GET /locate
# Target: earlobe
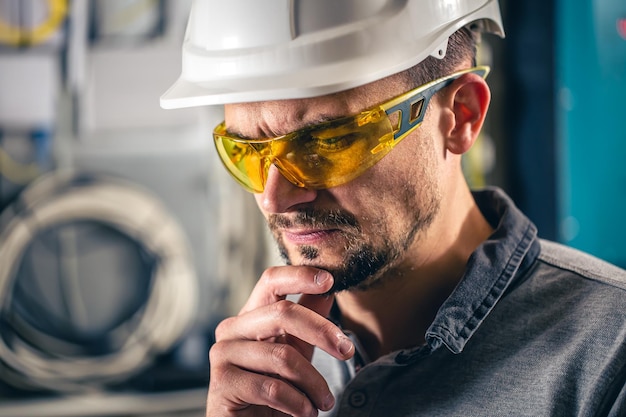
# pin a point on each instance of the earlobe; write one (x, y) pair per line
(468, 98)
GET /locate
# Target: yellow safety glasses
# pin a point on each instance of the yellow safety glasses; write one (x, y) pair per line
(330, 153)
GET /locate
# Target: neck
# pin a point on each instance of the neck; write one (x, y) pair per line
(396, 314)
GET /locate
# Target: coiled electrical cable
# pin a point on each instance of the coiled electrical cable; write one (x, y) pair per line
(168, 312)
(16, 35)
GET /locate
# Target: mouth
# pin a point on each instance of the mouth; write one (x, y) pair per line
(309, 236)
(314, 229)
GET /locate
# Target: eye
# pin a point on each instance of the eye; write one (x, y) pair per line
(334, 143)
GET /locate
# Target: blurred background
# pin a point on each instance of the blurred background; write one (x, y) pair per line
(123, 242)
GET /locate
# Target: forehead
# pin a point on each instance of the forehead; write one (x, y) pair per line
(275, 118)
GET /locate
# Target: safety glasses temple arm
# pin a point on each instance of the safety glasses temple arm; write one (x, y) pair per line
(408, 118)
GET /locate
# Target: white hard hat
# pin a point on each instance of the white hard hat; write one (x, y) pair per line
(256, 50)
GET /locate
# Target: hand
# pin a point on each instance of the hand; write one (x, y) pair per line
(261, 361)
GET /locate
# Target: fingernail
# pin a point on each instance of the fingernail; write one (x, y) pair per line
(321, 277)
(345, 345)
(329, 402)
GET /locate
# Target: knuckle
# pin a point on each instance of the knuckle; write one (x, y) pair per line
(304, 406)
(282, 355)
(220, 371)
(222, 327)
(283, 308)
(271, 389)
(270, 270)
(216, 352)
(279, 394)
(266, 276)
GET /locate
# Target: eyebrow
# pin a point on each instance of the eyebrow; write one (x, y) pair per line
(322, 118)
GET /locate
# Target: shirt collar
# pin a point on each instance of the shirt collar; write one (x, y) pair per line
(505, 255)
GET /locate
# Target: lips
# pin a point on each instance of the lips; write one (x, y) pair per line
(309, 236)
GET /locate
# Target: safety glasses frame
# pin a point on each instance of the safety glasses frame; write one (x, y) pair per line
(408, 111)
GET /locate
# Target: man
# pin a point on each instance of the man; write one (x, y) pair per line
(418, 296)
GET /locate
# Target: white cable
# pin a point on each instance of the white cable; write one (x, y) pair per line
(167, 314)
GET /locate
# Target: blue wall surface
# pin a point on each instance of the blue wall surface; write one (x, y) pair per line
(591, 126)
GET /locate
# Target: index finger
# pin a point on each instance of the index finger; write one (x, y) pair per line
(277, 282)
(302, 328)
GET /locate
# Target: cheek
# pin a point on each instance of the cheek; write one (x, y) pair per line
(378, 197)
(258, 199)
(412, 165)
(405, 180)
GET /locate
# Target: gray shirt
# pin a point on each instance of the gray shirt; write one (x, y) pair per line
(533, 329)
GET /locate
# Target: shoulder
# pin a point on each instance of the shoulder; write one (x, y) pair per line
(573, 261)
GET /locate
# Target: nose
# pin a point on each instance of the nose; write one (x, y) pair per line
(280, 195)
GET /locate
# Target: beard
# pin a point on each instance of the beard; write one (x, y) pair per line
(364, 262)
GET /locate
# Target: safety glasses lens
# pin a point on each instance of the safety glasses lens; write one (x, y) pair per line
(242, 162)
(324, 156)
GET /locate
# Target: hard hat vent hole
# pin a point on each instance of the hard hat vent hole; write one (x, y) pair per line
(440, 51)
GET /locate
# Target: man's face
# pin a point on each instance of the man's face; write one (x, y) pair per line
(362, 229)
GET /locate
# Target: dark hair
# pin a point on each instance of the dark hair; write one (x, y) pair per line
(461, 48)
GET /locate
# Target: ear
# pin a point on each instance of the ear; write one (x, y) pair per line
(468, 98)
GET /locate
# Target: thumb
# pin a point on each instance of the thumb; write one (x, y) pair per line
(321, 304)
